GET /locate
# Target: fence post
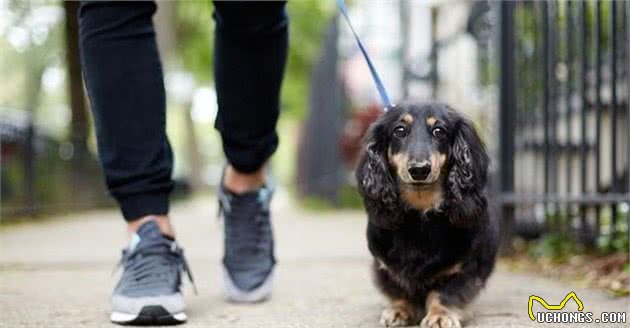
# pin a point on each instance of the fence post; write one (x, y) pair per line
(433, 56)
(507, 108)
(29, 168)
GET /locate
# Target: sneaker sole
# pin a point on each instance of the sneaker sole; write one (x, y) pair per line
(150, 315)
(234, 294)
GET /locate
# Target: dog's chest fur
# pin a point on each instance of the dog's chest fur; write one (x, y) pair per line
(419, 249)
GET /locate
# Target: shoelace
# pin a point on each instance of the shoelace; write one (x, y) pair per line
(155, 263)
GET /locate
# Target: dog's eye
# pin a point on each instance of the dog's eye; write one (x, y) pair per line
(439, 133)
(400, 132)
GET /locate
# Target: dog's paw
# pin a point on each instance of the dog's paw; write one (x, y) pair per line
(395, 317)
(441, 320)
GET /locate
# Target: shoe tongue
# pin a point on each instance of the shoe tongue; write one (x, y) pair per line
(148, 230)
(260, 195)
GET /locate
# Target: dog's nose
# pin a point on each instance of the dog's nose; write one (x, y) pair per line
(420, 172)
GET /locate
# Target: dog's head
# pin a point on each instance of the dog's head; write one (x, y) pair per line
(425, 156)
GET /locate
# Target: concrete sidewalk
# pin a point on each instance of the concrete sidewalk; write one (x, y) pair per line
(58, 274)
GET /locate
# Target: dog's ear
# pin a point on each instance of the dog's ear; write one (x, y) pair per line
(373, 176)
(468, 161)
(376, 184)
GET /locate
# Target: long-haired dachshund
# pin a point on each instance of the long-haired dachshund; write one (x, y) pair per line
(422, 179)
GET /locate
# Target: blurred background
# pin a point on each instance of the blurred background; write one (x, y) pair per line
(546, 83)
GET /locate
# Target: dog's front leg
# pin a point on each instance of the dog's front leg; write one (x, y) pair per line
(399, 313)
(439, 314)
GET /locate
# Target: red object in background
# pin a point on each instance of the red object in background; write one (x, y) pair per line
(7, 150)
(354, 132)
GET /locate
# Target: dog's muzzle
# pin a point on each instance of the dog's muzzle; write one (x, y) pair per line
(419, 172)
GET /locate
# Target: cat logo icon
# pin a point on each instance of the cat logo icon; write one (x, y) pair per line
(547, 306)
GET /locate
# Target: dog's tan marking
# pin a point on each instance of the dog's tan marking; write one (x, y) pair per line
(423, 200)
(440, 315)
(407, 118)
(453, 269)
(399, 313)
(381, 264)
(438, 161)
(399, 162)
(431, 121)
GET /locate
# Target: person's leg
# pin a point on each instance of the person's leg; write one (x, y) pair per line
(251, 42)
(123, 75)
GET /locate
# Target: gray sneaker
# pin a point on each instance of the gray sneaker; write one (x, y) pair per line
(248, 261)
(149, 291)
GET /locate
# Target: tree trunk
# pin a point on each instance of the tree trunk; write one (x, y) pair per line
(194, 156)
(165, 22)
(79, 128)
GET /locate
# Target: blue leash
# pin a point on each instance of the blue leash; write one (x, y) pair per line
(377, 79)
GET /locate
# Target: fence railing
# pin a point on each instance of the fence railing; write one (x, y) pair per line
(37, 174)
(564, 119)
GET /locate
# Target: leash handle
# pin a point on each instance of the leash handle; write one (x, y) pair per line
(375, 76)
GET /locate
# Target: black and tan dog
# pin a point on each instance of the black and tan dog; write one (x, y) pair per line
(422, 180)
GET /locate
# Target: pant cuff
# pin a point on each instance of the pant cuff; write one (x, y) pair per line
(137, 206)
(250, 157)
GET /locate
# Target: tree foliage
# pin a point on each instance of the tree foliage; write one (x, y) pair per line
(308, 23)
(308, 19)
(28, 40)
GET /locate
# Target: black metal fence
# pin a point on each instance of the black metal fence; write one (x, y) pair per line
(38, 174)
(17, 139)
(564, 118)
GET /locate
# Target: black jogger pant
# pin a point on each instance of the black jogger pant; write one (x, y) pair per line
(124, 79)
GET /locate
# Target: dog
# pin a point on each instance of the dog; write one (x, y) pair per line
(422, 176)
